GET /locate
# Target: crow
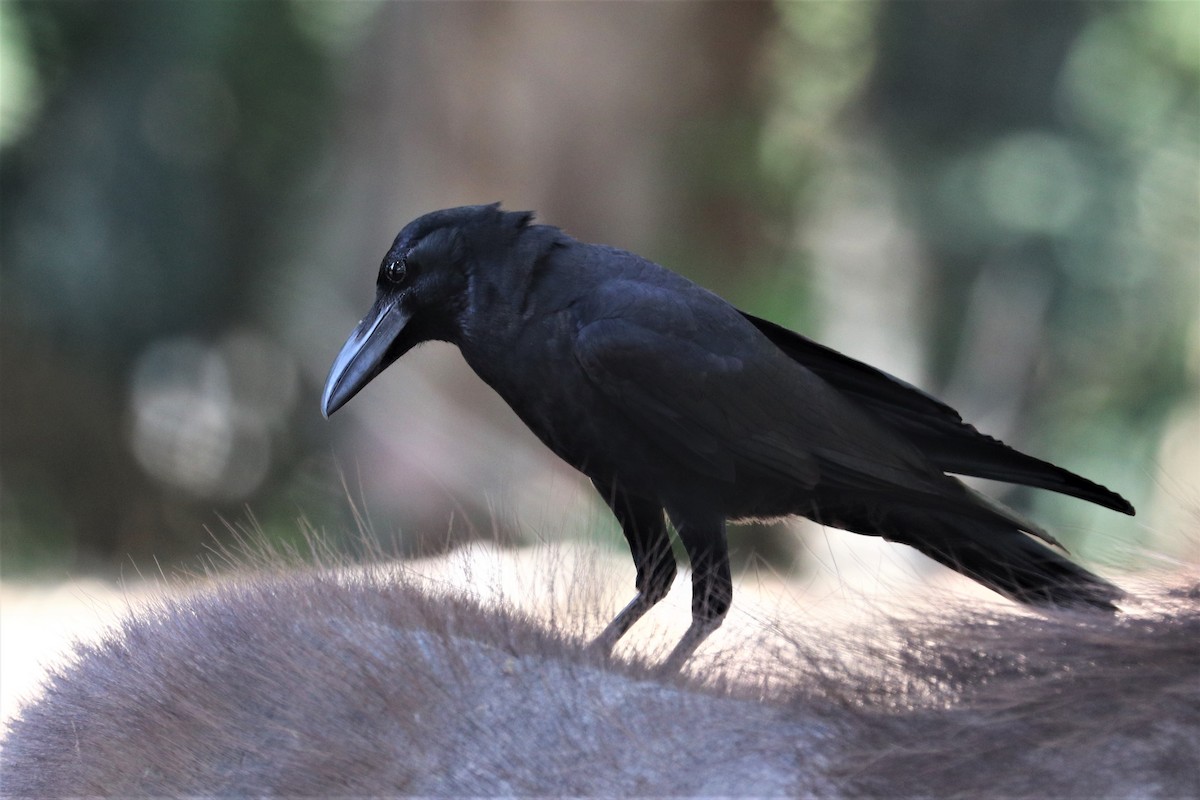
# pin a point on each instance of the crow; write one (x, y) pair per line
(678, 405)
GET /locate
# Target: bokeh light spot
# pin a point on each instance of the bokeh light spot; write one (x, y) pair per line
(1035, 182)
(182, 414)
(203, 415)
(1112, 87)
(19, 90)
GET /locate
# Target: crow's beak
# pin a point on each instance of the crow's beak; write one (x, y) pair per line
(364, 355)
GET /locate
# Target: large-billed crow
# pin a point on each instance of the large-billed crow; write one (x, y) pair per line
(670, 399)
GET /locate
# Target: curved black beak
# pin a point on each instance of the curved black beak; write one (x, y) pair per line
(365, 354)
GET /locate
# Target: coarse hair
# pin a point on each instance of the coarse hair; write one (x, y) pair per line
(366, 678)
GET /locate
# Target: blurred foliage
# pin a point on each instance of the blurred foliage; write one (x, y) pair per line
(995, 200)
(136, 210)
(1037, 179)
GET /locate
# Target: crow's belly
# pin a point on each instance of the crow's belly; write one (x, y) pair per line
(616, 455)
(760, 499)
(753, 498)
(682, 490)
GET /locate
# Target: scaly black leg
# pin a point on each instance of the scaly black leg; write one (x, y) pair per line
(712, 584)
(645, 528)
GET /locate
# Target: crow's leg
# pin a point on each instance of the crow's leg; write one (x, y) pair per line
(712, 585)
(645, 528)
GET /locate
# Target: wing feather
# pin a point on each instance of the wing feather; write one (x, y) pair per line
(702, 383)
(690, 403)
(934, 427)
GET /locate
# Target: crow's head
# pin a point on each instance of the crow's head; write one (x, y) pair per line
(420, 292)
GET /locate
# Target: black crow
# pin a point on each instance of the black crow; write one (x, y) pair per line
(671, 400)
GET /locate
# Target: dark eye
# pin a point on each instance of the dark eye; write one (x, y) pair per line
(395, 271)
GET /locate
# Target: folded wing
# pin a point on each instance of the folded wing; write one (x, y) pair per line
(934, 427)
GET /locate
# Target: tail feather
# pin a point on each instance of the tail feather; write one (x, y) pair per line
(935, 428)
(1010, 562)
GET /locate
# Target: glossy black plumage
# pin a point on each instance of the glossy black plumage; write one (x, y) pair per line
(670, 399)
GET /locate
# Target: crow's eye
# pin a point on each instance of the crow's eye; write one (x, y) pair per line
(395, 271)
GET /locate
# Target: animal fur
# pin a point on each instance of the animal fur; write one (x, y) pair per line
(335, 681)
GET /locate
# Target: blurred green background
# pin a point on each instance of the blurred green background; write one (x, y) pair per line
(997, 201)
